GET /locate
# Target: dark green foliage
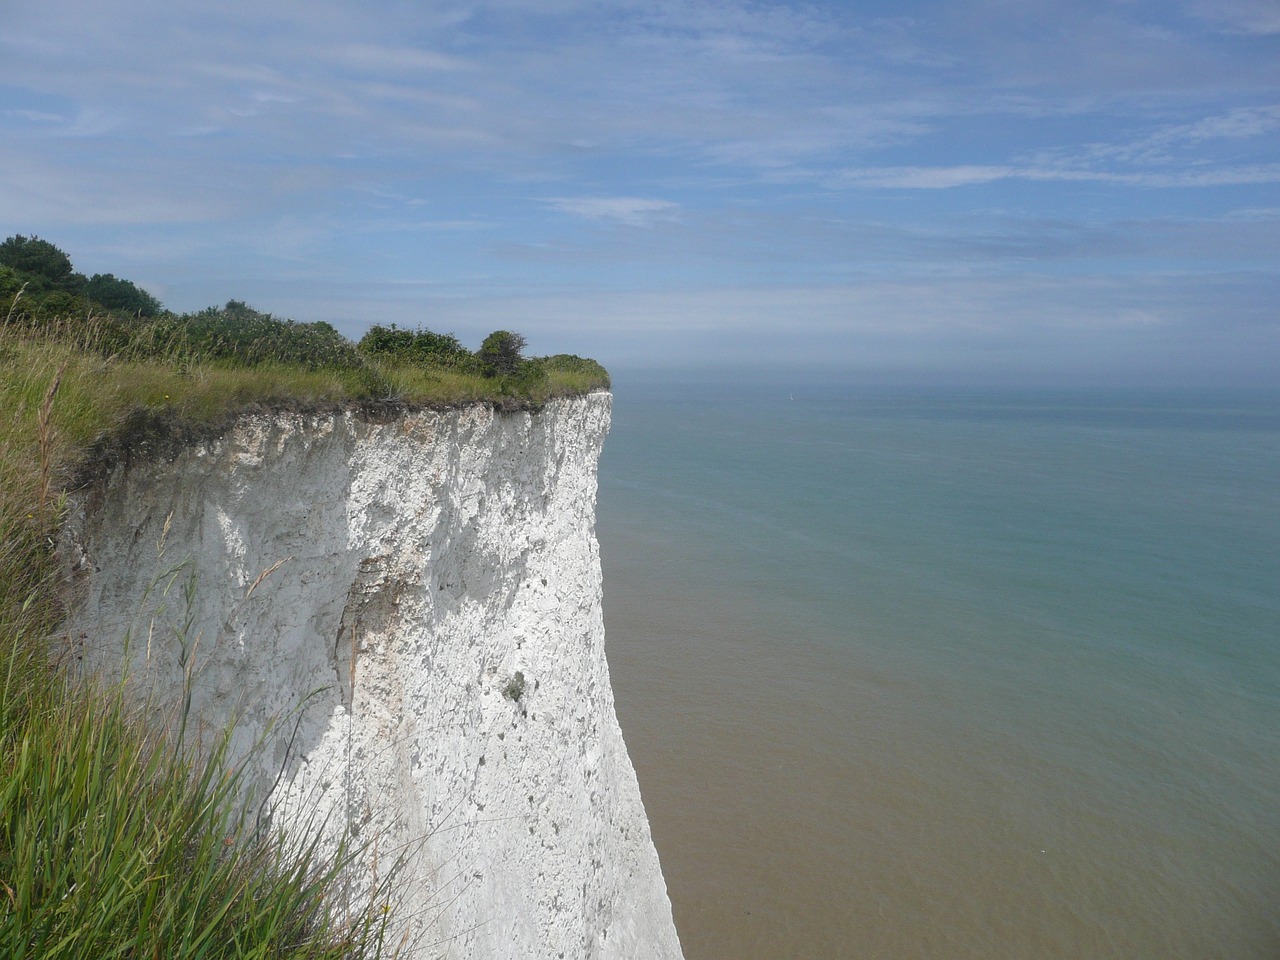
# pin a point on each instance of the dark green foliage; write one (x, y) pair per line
(415, 346)
(38, 285)
(121, 295)
(581, 367)
(10, 283)
(47, 266)
(239, 334)
(61, 303)
(500, 354)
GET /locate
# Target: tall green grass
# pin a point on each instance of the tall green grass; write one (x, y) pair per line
(115, 843)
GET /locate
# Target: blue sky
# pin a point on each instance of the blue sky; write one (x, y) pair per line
(1033, 190)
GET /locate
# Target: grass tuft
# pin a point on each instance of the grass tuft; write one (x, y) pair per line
(115, 844)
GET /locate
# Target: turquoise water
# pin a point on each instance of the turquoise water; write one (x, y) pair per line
(952, 673)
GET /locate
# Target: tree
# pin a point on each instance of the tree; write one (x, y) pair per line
(41, 260)
(499, 355)
(123, 295)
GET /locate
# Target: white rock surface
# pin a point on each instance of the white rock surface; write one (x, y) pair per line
(366, 597)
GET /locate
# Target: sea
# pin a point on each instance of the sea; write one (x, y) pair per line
(950, 673)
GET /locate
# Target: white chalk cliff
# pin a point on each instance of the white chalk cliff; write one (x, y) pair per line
(406, 611)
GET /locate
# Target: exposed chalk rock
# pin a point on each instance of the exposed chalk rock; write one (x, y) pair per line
(406, 613)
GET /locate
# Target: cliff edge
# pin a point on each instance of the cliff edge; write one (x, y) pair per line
(403, 617)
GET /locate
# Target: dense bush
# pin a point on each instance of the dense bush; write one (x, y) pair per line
(46, 267)
(500, 354)
(11, 282)
(414, 346)
(121, 295)
(240, 334)
(588, 370)
(38, 286)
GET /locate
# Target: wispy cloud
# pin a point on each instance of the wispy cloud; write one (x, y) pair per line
(381, 59)
(34, 116)
(1172, 143)
(632, 211)
(921, 178)
(940, 178)
(1259, 18)
(1172, 155)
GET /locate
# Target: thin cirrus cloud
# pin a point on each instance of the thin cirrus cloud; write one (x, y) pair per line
(885, 180)
(1159, 159)
(942, 178)
(632, 211)
(1247, 17)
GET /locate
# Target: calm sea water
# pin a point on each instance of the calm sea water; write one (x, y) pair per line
(951, 674)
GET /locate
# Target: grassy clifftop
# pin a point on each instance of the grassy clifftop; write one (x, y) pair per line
(43, 299)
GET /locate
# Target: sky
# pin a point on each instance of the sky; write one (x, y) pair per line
(1036, 191)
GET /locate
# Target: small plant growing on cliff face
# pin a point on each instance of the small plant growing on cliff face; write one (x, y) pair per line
(514, 690)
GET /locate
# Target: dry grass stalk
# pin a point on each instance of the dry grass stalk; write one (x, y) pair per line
(44, 431)
(13, 304)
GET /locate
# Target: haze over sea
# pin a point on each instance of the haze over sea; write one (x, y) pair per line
(951, 673)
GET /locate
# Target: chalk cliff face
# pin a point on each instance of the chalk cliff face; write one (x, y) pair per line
(406, 612)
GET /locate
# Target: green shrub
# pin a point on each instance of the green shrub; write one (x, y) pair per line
(11, 284)
(239, 334)
(414, 346)
(121, 295)
(571, 368)
(47, 267)
(500, 354)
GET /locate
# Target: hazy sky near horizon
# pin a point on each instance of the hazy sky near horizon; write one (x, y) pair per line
(983, 189)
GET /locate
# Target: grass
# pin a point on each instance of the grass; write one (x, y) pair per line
(114, 842)
(544, 379)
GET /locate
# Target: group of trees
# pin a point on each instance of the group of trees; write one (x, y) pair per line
(38, 286)
(37, 281)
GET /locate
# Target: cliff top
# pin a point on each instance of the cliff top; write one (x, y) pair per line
(281, 360)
